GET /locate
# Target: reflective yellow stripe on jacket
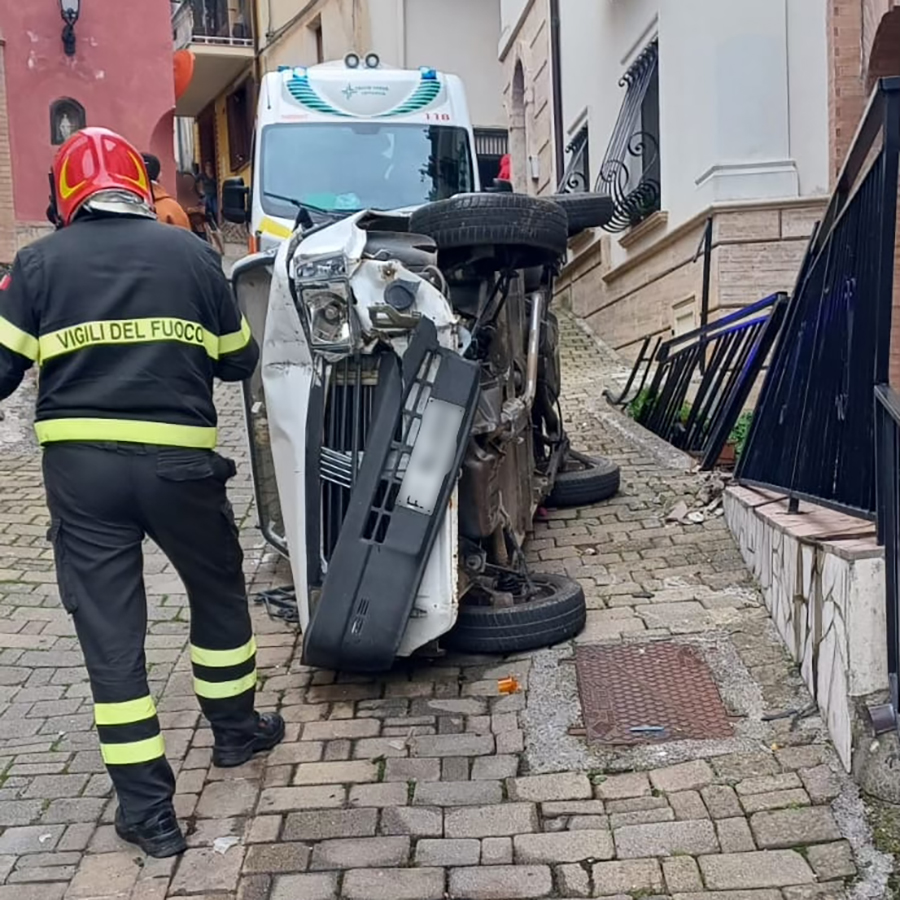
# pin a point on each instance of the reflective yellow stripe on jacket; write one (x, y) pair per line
(108, 332)
(126, 430)
(13, 338)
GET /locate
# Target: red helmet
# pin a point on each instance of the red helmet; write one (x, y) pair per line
(96, 160)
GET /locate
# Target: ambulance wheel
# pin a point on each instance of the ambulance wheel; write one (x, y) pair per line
(585, 210)
(553, 612)
(583, 480)
(523, 231)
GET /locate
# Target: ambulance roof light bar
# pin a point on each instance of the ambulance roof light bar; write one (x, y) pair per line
(353, 61)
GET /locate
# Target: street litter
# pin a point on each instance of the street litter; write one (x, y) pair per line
(223, 844)
(508, 685)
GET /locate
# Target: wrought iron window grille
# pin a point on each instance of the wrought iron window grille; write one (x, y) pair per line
(630, 171)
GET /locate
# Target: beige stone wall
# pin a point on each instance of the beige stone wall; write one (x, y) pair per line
(757, 250)
(531, 114)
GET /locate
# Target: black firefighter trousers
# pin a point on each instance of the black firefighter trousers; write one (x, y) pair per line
(104, 499)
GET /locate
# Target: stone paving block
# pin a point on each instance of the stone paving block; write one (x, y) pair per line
(681, 875)
(732, 895)
(541, 788)
(456, 768)
(458, 793)
(572, 808)
(298, 752)
(412, 770)
(285, 799)
(28, 839)
(490, 821)
(721, 801)
(415, 821)
(768, 784)
(831, 860)
(821, 784)
(221, 799)
(285, 856)
(33, 891)
(41, 874)
(761, 869)
(497, 851)
(620, 787)
(634, 877)
(573, 881)
(501, 882)
(19, 812)
(356, 772)
(636, 804)
(778, 800)
(320, 825)
(449, 852)
(688, 805)
(334, 729)
(75, 837)
(666, 839)
(832, 890)
(792, 827)
(642, 817)
(394, 884)
(322, 886)
(70, 811)
(451, 745)
(803, 757)
(395, 793)
(8, 862)
(104, 875)
(589, 823)
(563, 847)
(360, 853)
(734, 835)
(744, 765)
(262, 830)
(489, 768)
(687, 776)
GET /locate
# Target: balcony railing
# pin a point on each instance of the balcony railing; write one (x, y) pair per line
(216, 22)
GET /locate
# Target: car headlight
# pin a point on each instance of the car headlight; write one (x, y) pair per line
(322, 268)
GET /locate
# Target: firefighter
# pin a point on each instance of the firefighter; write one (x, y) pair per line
(129, 321)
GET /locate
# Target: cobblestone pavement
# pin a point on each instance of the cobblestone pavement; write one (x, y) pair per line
(428, 783)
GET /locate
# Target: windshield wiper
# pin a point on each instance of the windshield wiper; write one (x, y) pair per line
(300, 204)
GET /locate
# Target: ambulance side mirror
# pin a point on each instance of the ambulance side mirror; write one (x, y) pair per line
(234, 201)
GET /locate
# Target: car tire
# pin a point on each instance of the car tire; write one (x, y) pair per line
(585, 210)
(556, 616)
(593, 480)
(531, 231)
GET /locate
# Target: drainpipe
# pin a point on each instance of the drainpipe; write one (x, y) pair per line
(556, 62)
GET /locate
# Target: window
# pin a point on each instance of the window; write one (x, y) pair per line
(316, 29)
(66, 117)
(239, 112)
(577, 177)
(491, 145)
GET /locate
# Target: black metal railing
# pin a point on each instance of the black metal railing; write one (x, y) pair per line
(699, 415)
(887, 452)
(813, 432)
(630, 171)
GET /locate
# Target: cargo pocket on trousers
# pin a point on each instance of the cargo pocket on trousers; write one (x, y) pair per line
(64, 578)
(184, 465)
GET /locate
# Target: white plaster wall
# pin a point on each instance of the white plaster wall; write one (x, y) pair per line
(829, 611)
(511, 13)
(743, 93)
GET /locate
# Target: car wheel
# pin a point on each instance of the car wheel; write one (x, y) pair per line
(554, 613)
(525, 231)
(583, 480)
(585, 210)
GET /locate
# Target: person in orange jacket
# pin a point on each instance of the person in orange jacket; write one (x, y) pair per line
(168, 210)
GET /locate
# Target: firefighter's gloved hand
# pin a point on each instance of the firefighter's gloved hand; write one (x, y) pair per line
(224, 468)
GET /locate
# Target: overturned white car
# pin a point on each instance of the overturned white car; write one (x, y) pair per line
(405, 427)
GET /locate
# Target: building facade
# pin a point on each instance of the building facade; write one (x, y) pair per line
(236, 42)
(120, 76)
(720, 129)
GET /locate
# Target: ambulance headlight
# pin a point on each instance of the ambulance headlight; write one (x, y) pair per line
(328, 317)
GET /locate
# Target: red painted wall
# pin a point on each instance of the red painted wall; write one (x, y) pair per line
(121, 73)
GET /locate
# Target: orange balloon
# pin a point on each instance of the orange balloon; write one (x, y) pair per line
(184, 71)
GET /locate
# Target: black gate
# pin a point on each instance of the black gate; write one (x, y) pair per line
(813, 432)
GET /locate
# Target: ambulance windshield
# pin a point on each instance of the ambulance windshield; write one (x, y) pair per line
(348, 166)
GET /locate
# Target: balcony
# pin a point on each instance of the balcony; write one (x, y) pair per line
(220, 35)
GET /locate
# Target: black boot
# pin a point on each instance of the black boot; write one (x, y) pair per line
(229, 751)
(158, 836)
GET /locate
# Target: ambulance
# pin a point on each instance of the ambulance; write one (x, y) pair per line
(340, 137)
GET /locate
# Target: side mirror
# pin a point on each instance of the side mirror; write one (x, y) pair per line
(234, 201)
(500, 187)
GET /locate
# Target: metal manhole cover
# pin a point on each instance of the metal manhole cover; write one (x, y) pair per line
(639, 693)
